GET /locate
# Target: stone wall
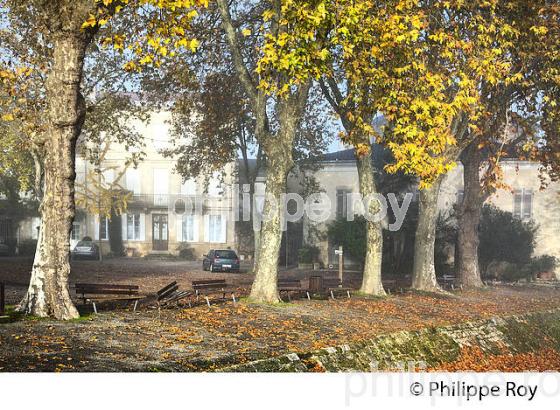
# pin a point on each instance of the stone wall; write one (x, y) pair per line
(430, 346)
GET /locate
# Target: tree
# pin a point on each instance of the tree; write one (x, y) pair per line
(425, 60)
(371, 282)
(213, 122)
(65, 29)
(60, 22)
(276, 142)
(514, 111)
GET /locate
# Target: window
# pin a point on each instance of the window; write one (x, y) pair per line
(133, 180)
(342, 202)
(226, 254)
(103, 228)
(161, 136)
(523, 203)
(460, 196)
(35, 226)
(161, 187)
(75, 235)
(108, 176)
(188, 228)
(188, 187)
(133, 227)
(216, 230)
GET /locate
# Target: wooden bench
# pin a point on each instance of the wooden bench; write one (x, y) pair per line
(333, 286)
(289, 286)
(389, 285)
(171, 293)
(208, 287)
(448, 281)
(99, 292)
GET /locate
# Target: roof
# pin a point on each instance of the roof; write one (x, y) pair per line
(344, 155)
(379, 155)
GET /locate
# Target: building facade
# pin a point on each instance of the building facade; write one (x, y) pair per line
(164, 213)
(338, 177)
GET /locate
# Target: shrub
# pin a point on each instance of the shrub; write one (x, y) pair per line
(186, 252)
(541, 264)
(87, 239)
(351, 235)
(308, 254)
(504, 238)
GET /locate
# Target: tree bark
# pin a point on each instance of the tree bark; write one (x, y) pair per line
(277, 147)
(48, 293)
(371, 281)
(423, 272)
(264, 287)
(470, 211)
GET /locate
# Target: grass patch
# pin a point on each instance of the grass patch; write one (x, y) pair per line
(88, 317)
(367, 296)
(250, 301)
(15, 316)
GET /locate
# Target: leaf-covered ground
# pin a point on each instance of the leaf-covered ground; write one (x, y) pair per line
(203, 338)
(473, 359)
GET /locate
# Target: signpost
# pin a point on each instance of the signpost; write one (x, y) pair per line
(340, 253)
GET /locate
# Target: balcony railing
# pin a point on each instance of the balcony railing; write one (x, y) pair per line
(164, 201)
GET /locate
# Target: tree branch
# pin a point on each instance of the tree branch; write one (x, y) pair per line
(240, 67)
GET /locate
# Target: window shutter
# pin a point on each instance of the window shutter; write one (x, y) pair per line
(142, 227)
(206, 228)
(528, 204)
(179, 228)
(195, 228)
(223, 231)
(133, 180)
(517, 199)
(97, 228)
(124, 230)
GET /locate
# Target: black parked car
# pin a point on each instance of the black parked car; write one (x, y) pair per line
(219, 260)
(86, 248)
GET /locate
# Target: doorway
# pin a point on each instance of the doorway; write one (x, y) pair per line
(160, 233)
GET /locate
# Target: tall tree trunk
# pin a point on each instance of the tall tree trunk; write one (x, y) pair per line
(423, 272)
(277, 147)
(470, 210)
(48, 292)
(264, 287)
(371, 282)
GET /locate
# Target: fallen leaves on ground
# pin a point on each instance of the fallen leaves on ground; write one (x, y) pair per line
(473, 359)
(207, 338)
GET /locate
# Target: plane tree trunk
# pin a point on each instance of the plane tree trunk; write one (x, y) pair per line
(277, 146)
(48, 292)
(470, 211)
(371, 281)
(264, 287)
(423, 272)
